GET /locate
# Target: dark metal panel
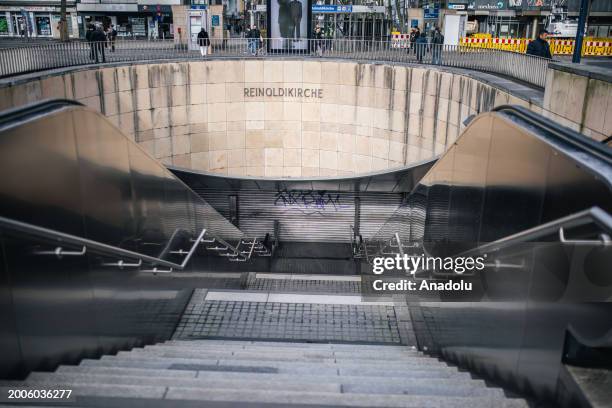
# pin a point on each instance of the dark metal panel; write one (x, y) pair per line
(11, 359)
(40, 183)
(52, 299)
(565, 175)
(148, 199)
(516, 180)
(104, 175)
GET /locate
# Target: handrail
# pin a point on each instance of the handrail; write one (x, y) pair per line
(95, 245)
(585, 217)
(570, 136)
(8, 117)
(526, 68)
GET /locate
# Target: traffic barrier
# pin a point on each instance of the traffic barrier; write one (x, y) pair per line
(400, 40)
(590, 47)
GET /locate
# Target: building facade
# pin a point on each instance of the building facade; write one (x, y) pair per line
(30, 19)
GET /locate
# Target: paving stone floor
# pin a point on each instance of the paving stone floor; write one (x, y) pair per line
(305, 285)
(287, 321)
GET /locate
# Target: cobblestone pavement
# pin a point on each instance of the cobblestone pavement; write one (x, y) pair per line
(287, 321)
(305, 285)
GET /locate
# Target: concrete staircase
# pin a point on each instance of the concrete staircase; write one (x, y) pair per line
(226, 373)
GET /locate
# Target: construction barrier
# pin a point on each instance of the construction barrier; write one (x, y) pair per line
(400, 40)
(590, 47)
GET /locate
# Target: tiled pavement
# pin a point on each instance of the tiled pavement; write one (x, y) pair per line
(304, 285)
(317, 322)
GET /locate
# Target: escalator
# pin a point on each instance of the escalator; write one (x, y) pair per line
(88, 223)
(534, 199)
(136, 285)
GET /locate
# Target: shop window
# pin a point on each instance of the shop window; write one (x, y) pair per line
(4, 27)
(43, 25)
(138, 26)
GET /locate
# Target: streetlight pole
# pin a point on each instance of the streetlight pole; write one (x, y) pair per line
(584, 13)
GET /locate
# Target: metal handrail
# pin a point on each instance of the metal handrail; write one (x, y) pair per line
(526, 68)
(592, 215)
(95, 245)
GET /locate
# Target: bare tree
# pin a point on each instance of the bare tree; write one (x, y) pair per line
(63, 23)
(401, 15)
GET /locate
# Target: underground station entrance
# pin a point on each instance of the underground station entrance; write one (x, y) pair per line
(344, 250)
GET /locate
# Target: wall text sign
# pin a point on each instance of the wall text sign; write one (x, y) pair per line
(315, 93)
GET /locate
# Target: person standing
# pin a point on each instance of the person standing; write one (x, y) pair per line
(203, 42)
(540, 47)
(318, 38)
(414, 35)
(437, 41)
(253, 36)
(89, 38)
(98, 38)
(112, 36)
(421, 46)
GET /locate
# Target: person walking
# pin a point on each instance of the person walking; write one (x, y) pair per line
(318, 40)
(98, 38)
(414, 34)
(437, 41)
(203, 42)
(89, 39)
(421, 47)
(540, 47)
(112, 36)
(253, 36)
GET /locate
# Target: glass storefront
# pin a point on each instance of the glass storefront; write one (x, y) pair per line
(4, 26)
(43, 25)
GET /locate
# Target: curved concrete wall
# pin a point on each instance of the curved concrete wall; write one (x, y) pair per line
(196, 115)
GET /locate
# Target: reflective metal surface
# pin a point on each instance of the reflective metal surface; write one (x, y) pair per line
(68, 169)
(504, 175)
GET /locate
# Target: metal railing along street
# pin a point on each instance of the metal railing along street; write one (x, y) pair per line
(21, 60)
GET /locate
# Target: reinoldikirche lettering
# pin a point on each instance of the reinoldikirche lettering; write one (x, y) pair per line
(315, 93)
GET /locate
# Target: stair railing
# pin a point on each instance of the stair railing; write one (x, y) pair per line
(125, 258)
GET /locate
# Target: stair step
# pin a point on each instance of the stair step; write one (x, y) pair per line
(287, 344)
(209, 383)
(347, 400)
(326, 352)
(304, 356)
(410, 388)
(185, 358)
(204, 395)
(416, 375)
(269, 367)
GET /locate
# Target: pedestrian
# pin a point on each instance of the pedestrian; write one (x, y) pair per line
(414, 34)
(421, 46)
(318, 38)
(540, 47)
(112, 36)
(89, 38)
(203, 42)
(437, 41)
(98, 38)
(253, 39)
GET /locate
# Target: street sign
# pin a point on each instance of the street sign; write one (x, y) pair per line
(325, 8)
(431, 11)
(457, 6)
